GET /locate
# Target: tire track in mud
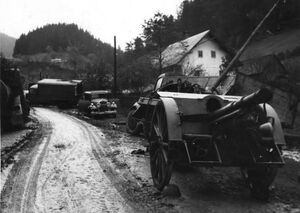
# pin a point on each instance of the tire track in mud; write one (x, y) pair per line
(32, 176)
(53, 173)
(22, 179)
(58, 167)
(113, 188)
(8, 153)
(30, 184)
(100, 152)
(141, 199)
(116, 202)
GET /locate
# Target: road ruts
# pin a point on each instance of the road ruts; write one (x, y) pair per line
(61, 173)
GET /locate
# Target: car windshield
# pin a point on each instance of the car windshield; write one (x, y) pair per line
(93, 95)
(101, 96)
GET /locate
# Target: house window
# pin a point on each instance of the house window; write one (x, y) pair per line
(200, 53)
(213, 54)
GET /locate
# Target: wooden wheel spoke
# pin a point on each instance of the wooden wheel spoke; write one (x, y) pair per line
(158, 119)
(156, 166)
(162, 125)
(164, 156)
(160, 175)
(157, 131)
(162, 167)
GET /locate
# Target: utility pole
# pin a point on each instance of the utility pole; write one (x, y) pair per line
(115, 67)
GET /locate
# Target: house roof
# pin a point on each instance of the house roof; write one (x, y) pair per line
(176, 51)
(276, 44)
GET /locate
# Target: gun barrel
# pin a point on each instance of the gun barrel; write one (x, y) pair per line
(261, 96)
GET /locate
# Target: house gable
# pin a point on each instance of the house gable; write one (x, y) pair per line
(175, 52)
(206, 55)
(194, 54)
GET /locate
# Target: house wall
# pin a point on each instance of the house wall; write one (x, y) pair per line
(209, 64)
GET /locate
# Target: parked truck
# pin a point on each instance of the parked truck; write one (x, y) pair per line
(59, 92)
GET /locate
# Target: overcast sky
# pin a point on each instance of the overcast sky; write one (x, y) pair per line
(102, 18)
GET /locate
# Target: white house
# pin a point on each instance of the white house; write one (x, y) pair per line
(198, 55)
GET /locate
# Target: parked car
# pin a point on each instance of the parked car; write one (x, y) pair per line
(97, 102)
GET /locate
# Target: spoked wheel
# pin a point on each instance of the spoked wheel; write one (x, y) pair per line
(132, 126)
(259, 180)
(161, 166)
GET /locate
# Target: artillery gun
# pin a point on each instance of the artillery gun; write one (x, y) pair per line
(209, 129)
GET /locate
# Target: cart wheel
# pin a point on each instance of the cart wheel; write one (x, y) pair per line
(259, 179)
(161, 166)
(132, 126)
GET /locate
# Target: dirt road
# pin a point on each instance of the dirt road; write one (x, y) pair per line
(63, 173)
(72, 166)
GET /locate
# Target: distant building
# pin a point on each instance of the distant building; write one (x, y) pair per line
(56, 60)
(199, 55)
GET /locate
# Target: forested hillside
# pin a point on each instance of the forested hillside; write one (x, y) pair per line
(67, 48)
(233, 20)
(230, 21)
(58, 37)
